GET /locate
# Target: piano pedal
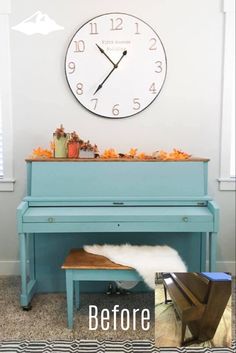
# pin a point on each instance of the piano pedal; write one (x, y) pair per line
(190, 341)
(121, 291)
(110, 289)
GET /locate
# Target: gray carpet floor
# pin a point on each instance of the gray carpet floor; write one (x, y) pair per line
(47, 319)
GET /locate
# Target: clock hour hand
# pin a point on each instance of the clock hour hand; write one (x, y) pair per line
(123, 54)
(115, 67)
(103, 52)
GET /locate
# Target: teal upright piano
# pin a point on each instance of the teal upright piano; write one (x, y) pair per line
(70, 203)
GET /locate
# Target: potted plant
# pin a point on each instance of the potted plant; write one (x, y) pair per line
(60, 139)
(73, 145)
(87, 150)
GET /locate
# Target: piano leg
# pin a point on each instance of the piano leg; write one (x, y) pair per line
(212, 251)
(28, 283)
(31, 239)
(23, 269)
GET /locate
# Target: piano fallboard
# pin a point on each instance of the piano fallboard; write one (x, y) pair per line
(120, 219)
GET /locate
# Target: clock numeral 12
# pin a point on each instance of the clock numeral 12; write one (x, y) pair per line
(79, 46)
(116, 24)
(79, 88)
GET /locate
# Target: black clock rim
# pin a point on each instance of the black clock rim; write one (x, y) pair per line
(105, 116)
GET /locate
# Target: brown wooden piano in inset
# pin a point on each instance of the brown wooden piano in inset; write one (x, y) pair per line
(199, 300)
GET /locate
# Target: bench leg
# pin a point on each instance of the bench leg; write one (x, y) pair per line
(77, 295)
(183, 330)
(70, 298)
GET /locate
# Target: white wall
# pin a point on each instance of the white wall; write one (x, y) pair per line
(186, 115)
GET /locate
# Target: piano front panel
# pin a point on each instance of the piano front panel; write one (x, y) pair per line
(119, 180)
(52, 248)
(219, 294)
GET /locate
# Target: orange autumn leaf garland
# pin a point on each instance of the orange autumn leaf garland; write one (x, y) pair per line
(42, 153)
(110, 153)
(173, 155)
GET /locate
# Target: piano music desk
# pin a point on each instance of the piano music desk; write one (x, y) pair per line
(70, 203)
(82, 266)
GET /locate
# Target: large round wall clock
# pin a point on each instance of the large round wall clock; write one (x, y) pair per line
(115, 65)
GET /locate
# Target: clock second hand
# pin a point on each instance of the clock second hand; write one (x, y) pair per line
(115, 67)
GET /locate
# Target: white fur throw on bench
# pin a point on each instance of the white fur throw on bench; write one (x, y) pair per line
(147, 260)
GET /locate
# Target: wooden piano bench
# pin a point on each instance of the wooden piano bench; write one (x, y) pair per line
(82, 266)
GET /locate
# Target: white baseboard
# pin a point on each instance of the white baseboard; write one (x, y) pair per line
(12, 268)
(226, 266)
(9, 268)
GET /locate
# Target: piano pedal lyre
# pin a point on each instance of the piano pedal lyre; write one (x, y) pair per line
(110, 289)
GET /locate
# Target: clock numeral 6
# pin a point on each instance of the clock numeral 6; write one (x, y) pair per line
(116, 24)
(152, 88)
(79, 46)
(115, 110)
(71, 66)
(136, 105)
(159, 66)
(79, 88)
(153, 44)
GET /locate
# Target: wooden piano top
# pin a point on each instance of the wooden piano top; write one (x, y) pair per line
(193, 159)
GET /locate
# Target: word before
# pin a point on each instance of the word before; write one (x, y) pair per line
(124, 319)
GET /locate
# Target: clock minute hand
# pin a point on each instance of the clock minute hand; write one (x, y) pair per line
(101, 84)
(115, 67)
(103, 52)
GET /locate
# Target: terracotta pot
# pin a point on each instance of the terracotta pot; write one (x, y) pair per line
(73, 149)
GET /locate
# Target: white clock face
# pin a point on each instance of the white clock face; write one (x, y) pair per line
(115, 65)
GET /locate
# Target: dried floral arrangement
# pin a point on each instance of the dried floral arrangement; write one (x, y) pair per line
(60, 132)
(86, 146)
(74, 137)
(111, 153)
